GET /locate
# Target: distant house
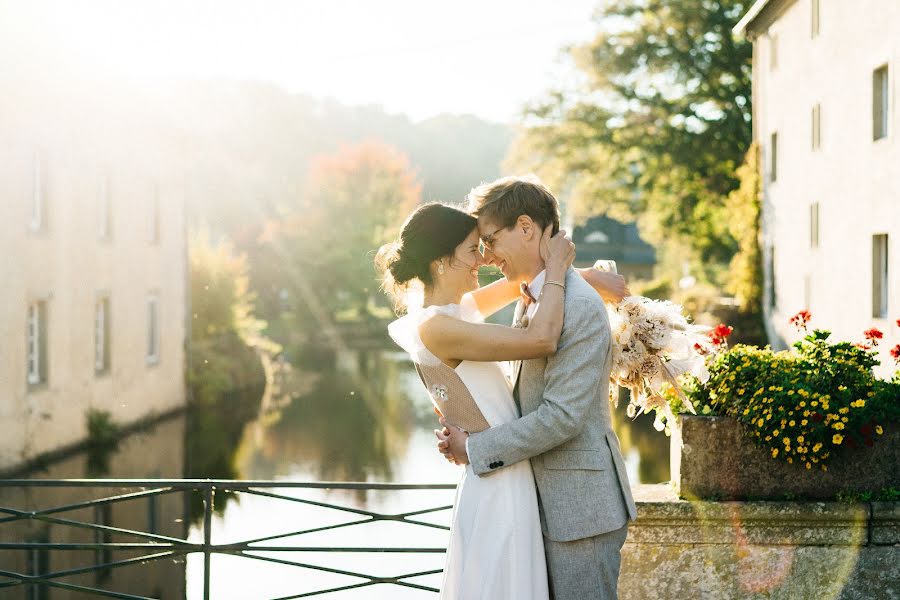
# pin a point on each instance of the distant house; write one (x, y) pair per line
(604, 238)
(94, 272)
(825, 116)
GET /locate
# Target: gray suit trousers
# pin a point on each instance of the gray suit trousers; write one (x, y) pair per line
(571, 578)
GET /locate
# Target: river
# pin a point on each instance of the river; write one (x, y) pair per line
(356, 415)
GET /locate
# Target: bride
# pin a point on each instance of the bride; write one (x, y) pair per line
(496, 548)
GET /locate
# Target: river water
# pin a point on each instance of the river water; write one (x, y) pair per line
(356, 415)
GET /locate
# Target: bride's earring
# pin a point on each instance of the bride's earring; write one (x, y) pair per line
(441, 267)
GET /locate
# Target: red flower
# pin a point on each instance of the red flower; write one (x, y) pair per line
(801, 319)
(898, 322)
(866, 429)
(873, 335)
(862, 346)
(722, 330)
(895, 353)
(816, 417)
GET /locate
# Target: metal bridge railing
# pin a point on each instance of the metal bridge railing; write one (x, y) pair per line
(151, 546)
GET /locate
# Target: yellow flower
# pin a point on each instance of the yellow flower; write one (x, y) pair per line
(858, 403)
(836, 439)
(760, 422)
(774, 452)
(787, 441)
(879, 430)
(844, 419)
(802, 404)
(777, 431)
(804, 422)
(790, 392)
(824, 468)
(792, 423)
(841, 388)
(800, 439)
(814, 403)
(817, 447)
(844, 410)
(790, 460)
(808, 466)
(870, 394)
(838, 425)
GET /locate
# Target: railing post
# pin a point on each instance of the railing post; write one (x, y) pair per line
(208, 498)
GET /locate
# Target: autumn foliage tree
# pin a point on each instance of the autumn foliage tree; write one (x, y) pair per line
(316, 257)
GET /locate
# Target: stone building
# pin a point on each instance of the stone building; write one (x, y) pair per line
(94, 268)
(604, 238)
(825, 116)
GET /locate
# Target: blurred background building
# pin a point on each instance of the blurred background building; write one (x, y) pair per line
(92, 231)
(824, 114)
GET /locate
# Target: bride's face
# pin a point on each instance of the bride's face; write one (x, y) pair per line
(462, 270)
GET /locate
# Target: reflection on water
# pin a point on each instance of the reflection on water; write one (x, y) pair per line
(361, 416)
(157, 452)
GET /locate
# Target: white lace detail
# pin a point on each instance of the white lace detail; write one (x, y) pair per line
(405, 330)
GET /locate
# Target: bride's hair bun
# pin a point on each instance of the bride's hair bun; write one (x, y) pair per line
(431, 232)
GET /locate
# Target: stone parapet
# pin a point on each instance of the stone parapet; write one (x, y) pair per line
(792, 550)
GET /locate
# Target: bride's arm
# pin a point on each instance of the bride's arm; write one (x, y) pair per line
(494, 296)
(611, 286)
(452, 339)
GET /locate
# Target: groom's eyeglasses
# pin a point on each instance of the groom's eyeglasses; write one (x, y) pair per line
(488, 240)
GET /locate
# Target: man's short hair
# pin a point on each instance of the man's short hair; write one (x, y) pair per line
(504, 200)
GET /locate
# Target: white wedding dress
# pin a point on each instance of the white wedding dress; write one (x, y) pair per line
(496, 548)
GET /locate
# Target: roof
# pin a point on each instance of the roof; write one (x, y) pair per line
(761, 14)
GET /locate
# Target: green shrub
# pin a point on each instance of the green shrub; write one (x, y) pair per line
(804, 405)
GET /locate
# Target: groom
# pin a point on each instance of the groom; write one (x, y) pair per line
(583, 493)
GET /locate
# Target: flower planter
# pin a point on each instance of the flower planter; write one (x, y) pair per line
(712, 458)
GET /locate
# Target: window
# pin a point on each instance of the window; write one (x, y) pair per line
(38, 193)
(880, 276)
(880, 103)
(101, 336)
(36, 342)
(814, 25)
(773, 51)
(817, 126)
(773, 298)
(152, 329)
(153, 218)
(814, 225)
(104, 206)
(773, 157)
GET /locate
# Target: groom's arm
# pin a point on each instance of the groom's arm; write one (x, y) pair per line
(572, 379)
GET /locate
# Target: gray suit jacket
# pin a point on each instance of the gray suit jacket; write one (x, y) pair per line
(565, 427)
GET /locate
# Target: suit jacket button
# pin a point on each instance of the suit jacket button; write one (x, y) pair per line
(500, 464)
(493, 465)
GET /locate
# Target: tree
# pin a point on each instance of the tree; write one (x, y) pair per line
(317, 257)
(657, 126)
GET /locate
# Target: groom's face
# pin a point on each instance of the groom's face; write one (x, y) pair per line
(502, 247)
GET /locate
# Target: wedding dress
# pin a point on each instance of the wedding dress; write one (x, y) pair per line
(496, 548)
